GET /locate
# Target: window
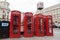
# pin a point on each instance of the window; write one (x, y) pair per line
(7, 17)
(7, 12)
(54, 16)
(3, 16)
(3, 11)
(58, 22)
(55, 21)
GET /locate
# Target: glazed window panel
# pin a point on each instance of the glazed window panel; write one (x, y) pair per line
(15, 25)
(29, 24)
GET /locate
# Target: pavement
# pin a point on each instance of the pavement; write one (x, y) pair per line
(55, 37)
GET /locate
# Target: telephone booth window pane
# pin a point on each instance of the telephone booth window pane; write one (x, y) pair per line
(50, 25)
(29, 24)
(15, 25)
(40, 24)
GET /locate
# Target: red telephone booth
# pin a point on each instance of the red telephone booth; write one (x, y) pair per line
(28, 24)
(15, 24)
(39, 25)
(49, 25)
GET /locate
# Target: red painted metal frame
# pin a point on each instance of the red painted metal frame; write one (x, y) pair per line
(49, 17)
(28, 14)
(45, 25)
(37, 25)
(18, 14)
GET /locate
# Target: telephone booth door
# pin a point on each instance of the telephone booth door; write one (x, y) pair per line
(28, 25)
(49, 26)
(15, 24)
(39, 25)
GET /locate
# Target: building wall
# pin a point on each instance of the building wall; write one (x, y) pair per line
(4, 11)
(54, 11)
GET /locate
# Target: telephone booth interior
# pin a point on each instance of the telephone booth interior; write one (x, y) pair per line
(15, 23)
(49, 25)
(39, 25)
(28, 24)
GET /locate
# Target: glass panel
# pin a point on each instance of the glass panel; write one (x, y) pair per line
(15, 24)
(40, 24)
(50, 25)
(29, 24)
